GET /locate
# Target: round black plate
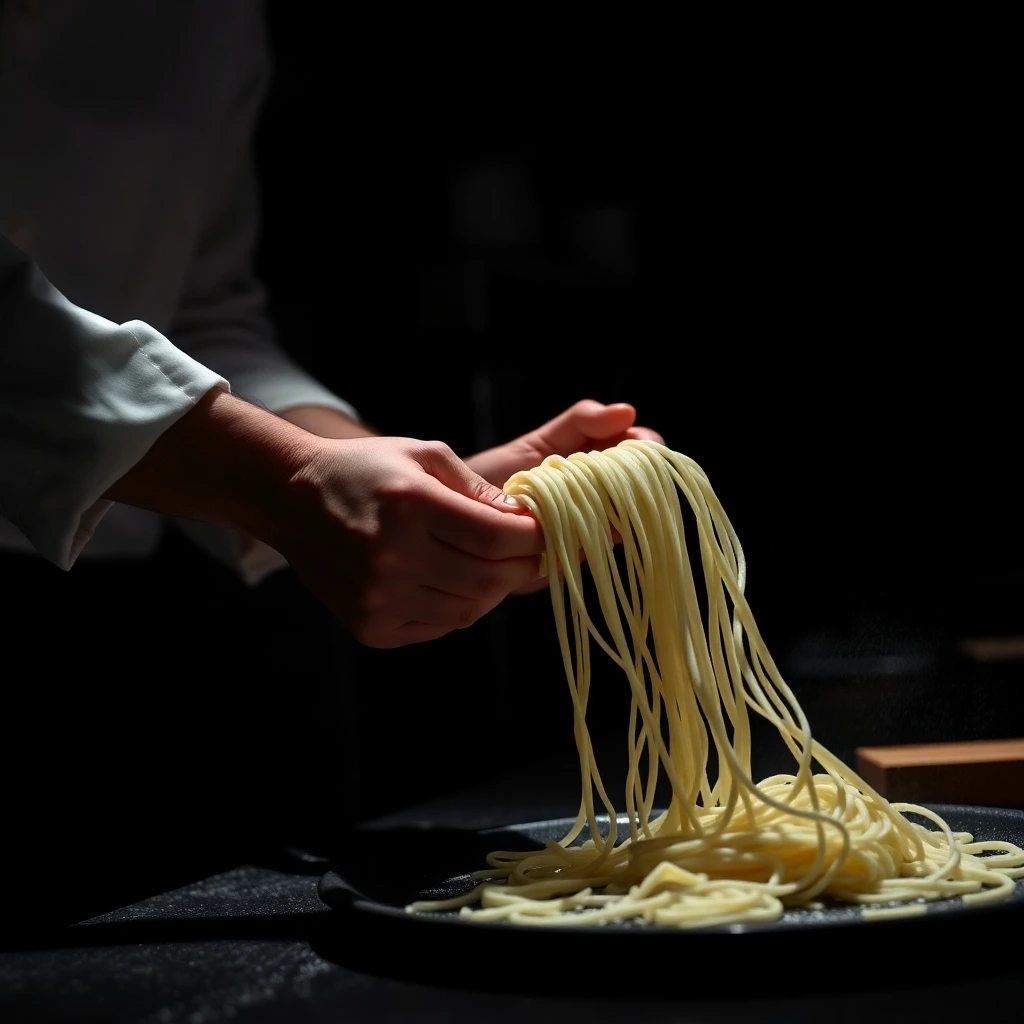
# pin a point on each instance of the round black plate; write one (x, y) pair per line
(387, 869)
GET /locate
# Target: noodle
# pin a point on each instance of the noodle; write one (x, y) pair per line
(728, 850)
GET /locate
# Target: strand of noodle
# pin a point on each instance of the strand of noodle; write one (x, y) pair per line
(710, 707)
(737, 850)
(611, 612)
(641, 656)
(558, 556)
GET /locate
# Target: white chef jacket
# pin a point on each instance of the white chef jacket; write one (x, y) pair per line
(127, 175)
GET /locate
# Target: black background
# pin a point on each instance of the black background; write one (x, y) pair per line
(817, 308)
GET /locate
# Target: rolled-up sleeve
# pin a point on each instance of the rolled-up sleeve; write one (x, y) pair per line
(82, 399)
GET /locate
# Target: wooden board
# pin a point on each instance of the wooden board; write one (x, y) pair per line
(985, 773)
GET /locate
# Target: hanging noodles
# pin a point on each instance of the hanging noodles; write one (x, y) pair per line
(731, 850)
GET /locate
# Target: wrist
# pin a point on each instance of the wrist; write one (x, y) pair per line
(256, 455)
(225, 462)
(326, 422)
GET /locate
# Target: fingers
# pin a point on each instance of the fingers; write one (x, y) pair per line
(483, 531)
(444, 465)
(602, 421)
(478, 579)
(430, 607)
(408, 633)
(421, 612)
(633, 433)
(471, 515)
(393, 610)
(644, 434)
(403, 542)
(587, 419)
(589, 423)
(540, 583)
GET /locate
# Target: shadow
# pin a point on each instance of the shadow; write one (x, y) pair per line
(393, 865)
(387, 868)
(154, 931)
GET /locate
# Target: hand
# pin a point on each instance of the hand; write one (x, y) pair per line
(257, 559)
(402, 541)
(585, 426)
(397, 537)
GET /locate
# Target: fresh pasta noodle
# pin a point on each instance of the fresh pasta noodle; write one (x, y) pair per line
(727, 849)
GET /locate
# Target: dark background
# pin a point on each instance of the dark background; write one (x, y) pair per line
(806, 289)
(810, 290)
(807, 292)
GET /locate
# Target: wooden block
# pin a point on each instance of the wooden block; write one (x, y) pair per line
(993, 648)
(984, 773)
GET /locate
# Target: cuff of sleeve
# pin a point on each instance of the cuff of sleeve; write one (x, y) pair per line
(258, 561)
(250, 558)
(130, 397)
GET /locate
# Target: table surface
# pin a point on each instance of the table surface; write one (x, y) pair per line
(256, 943)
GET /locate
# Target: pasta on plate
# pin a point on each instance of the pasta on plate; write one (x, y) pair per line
(728, 849)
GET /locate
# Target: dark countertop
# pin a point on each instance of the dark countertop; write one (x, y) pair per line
(255, 943)
(250, 940)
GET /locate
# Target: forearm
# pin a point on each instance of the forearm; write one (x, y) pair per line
(245, 553)
(225, 462)
(325, 422)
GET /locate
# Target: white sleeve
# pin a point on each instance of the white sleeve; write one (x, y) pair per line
(82, 399)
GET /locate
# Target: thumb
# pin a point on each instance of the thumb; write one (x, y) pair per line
(445, 466)
(587, 420)
(601, 421)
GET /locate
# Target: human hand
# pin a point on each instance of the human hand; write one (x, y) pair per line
(402, 541)
(257, 559)
(397, 537)
(585, 426)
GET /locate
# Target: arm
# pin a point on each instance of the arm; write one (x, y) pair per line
(222, 463)
(325, 422)
(397, 537)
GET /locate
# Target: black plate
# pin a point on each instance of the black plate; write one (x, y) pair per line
(388, 869)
